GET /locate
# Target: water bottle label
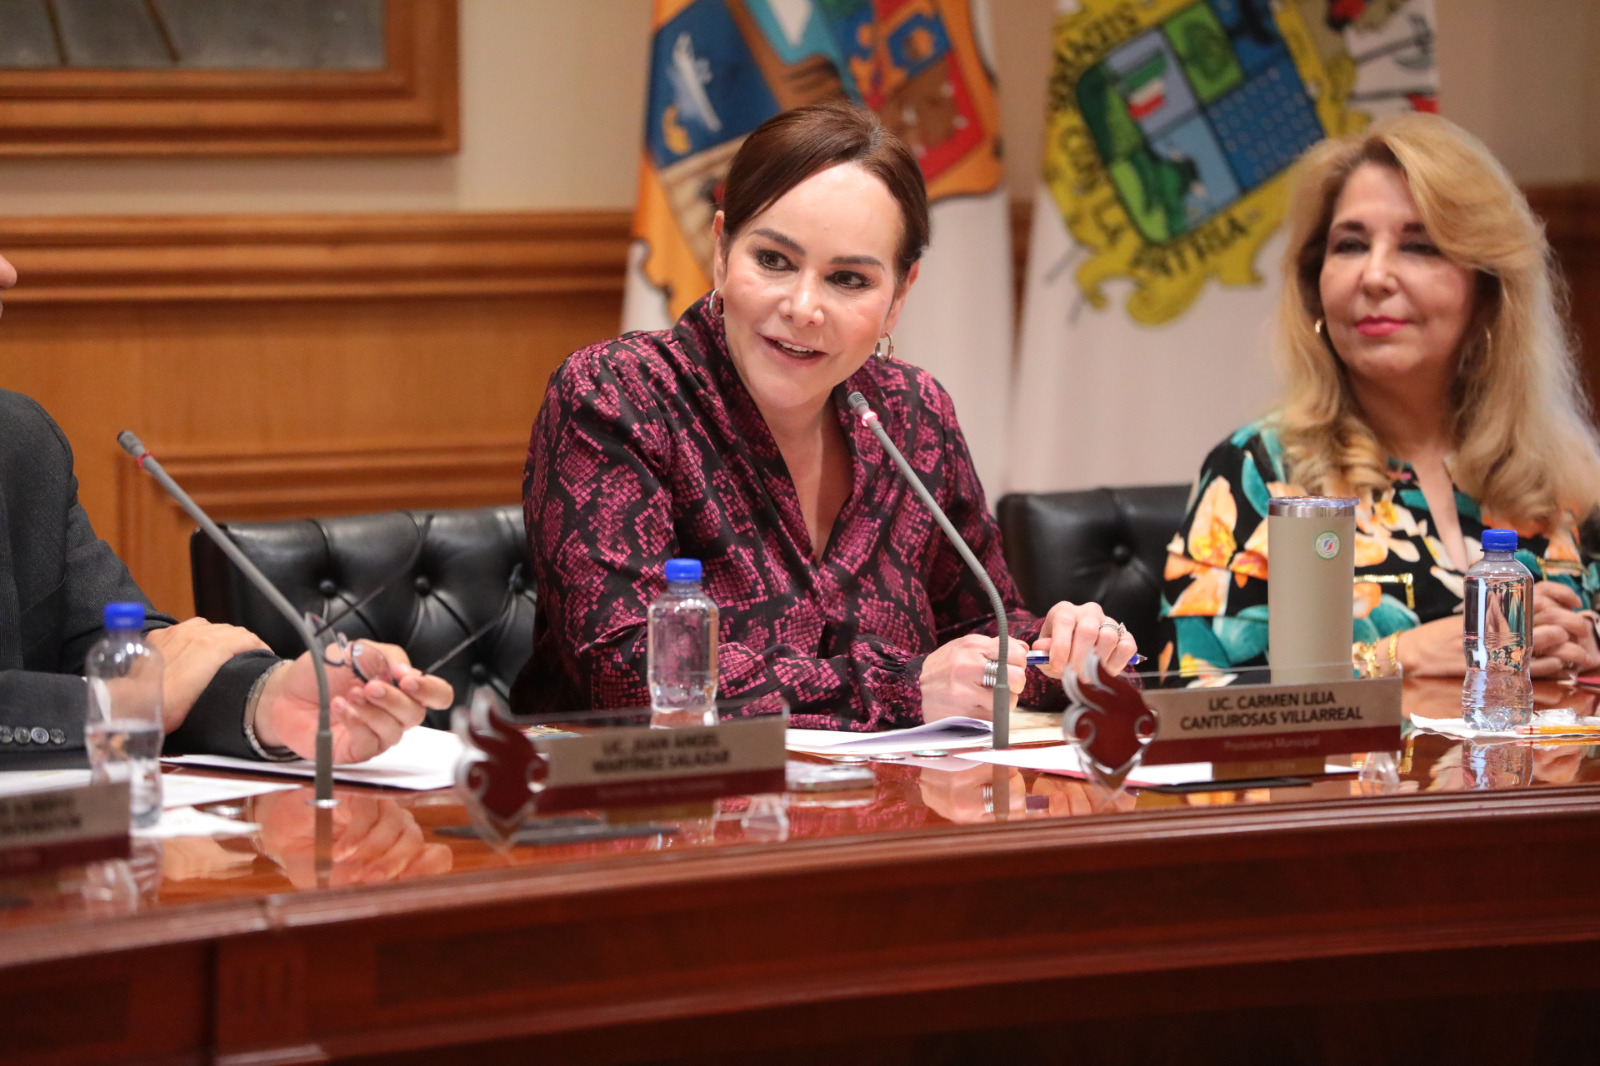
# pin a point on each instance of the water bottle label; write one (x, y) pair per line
(1326, 544)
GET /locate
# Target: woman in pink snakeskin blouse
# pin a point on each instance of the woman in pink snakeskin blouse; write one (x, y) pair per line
(728, 439)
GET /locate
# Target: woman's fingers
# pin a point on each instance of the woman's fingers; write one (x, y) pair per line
(1556, 592)
(1548, 637)
(1072, 630)
(1126, 648)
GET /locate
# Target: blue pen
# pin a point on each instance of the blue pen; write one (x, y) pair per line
(1040, 658)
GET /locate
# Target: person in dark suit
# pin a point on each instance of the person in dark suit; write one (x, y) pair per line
(223, 691)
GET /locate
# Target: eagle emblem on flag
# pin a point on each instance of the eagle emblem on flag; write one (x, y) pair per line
(719, 68)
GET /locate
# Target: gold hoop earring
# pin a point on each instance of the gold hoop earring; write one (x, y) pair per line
(714, 304)
(878, 349)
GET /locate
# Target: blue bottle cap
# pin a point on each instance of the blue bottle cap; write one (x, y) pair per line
(1499, 540)
(124, 616)
(683, 570)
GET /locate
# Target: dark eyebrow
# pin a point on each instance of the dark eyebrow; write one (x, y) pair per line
(857, 260)
(777, 238)
(794, 246)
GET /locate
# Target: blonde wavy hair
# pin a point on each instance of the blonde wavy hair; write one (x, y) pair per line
(1525, 447)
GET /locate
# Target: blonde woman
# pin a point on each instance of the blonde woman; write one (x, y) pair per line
(1428, 373)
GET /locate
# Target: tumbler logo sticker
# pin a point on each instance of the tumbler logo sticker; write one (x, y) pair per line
(1327, 544)
(1173, 124)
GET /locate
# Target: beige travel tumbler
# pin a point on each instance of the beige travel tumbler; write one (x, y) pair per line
(1310, 579)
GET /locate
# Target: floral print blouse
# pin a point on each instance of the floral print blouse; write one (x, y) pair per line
(1214, 604)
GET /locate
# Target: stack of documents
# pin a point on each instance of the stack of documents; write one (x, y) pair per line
(424, 758)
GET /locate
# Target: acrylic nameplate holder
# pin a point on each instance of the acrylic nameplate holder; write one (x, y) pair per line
(63, 826)
(1257, 722)
(515, 775)
(1109, 722)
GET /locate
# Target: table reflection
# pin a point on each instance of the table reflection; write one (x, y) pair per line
(974, 794)
(392, 836)
(375, 839)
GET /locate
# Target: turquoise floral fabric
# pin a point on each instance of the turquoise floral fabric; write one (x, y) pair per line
(1214, 604)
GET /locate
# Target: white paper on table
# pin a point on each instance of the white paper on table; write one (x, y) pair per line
(184, 790)
(945, 734)
(1064, 759)
(177, 790)
(425, 758)
(1455, 727)
(1458, 727)
(954, 732)
(14, 781)
(188, 822)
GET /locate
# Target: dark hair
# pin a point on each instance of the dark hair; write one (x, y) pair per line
(790, 147)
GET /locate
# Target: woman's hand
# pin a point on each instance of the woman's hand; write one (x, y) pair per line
(976, 794)
(952, 677)
(1563, 639)
(1072, 629)
(1432, 649)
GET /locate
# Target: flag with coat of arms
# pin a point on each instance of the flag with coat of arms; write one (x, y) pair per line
(1153, 257)
(719, 68)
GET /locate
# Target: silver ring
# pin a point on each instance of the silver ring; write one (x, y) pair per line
(1121, 629)
(991, 673)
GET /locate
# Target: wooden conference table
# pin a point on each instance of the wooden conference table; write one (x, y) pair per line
(972, 915)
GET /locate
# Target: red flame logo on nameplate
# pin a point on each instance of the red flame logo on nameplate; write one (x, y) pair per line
(1109, 721)
(500, 774)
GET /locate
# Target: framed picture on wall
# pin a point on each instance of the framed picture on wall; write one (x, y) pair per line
(228, 77)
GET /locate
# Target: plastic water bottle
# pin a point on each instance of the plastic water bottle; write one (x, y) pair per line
(683, 651)
(1498, 693)
(123, 727)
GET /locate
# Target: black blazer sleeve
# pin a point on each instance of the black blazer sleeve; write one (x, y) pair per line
(56, 577)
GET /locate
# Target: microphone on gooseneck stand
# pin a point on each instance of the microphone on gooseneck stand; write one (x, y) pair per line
(147, 463)
(1002, 688)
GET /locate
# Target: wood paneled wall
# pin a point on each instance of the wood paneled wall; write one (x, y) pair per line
(1571, 215)
(290, 366)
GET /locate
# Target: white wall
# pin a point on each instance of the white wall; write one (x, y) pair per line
(552, 97)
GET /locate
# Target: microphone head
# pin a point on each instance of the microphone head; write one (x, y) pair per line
(858, 404)
(131, 444)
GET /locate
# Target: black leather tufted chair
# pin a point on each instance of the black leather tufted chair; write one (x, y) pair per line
(1105, 545)
(443, 576)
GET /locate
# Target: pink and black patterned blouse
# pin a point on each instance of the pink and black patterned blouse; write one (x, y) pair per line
(648, 448)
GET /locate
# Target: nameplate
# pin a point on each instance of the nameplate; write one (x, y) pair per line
(641, 767)
(63, 827)
(1268, 723)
